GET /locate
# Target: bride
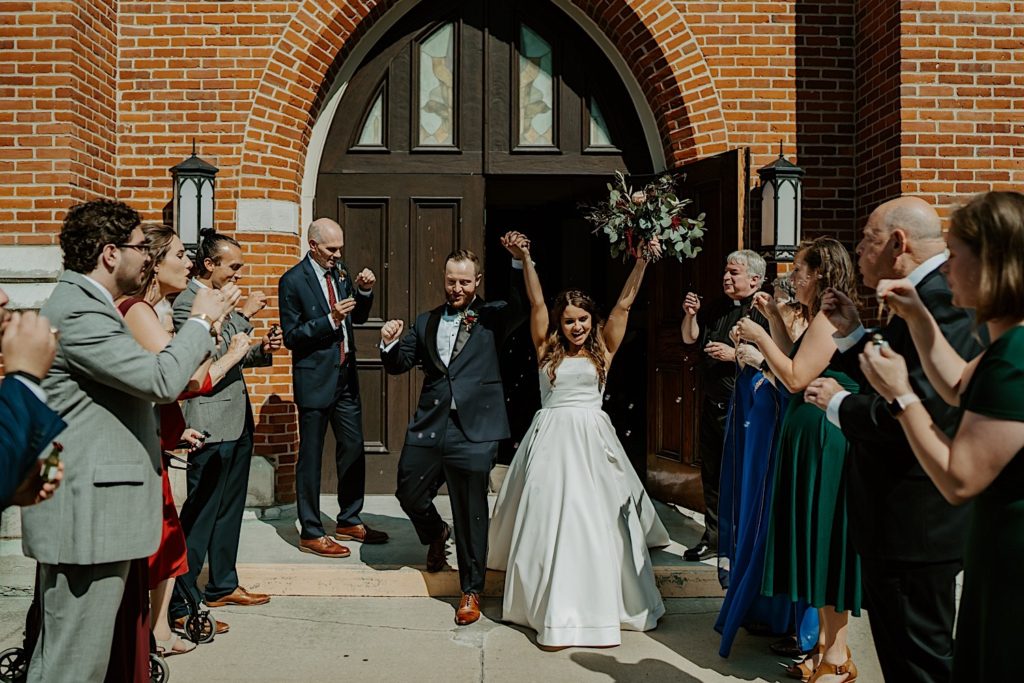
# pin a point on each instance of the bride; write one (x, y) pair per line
(572, 523)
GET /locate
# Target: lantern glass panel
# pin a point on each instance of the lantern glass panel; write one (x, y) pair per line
(206, 205)
(188, 211)
(768, 214)
(787, 213)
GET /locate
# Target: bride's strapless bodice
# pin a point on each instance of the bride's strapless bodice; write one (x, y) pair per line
(576, 385)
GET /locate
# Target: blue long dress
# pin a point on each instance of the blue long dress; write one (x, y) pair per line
(748, 465)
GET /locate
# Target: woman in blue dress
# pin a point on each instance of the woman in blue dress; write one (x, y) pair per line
(748, 464)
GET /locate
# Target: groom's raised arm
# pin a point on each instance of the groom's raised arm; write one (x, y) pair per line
(400, 355)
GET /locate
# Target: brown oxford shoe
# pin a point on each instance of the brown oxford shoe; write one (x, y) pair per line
(323, 546)
(240, 597)
(469, 609)
(360, 533)
(436, 552)
(179, 625)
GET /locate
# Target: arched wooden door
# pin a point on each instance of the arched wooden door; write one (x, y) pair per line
(467, 119)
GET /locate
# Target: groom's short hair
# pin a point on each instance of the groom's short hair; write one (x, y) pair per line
(460, 255)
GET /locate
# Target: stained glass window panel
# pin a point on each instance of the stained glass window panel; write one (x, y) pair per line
(373, 127)
(437, 87)
(536, 89)
(599, 135)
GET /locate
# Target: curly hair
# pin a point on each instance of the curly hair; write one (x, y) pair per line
(90, 226)
(831, 262)
(556, 345)
(210, 245)
(992, 227)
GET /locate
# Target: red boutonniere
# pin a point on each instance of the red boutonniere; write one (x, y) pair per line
(469, 319)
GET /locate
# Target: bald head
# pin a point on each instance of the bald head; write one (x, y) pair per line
(323, 230)
(913, 215)
(900, 235)
(326, 241)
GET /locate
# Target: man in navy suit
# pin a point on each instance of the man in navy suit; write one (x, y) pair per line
(319, 303)
(453, 436)
(27, 425)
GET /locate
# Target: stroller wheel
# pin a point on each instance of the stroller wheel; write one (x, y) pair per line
(201, 627)
(13, 665)
(159, 672)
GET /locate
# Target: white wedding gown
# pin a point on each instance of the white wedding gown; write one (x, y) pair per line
(572, 523)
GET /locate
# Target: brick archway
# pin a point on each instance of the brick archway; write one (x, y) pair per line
(653, 39)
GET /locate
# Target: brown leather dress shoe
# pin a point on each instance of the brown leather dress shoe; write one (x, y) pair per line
(360, 533)
(323, 546)
(436, 552)
(469, 609)
(240, 597)
(179, 625)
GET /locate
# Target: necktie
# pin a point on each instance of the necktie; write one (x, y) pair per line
(331, 300)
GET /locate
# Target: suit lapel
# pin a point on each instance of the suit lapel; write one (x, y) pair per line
(433, 322)
(314, 285)
(464, 335)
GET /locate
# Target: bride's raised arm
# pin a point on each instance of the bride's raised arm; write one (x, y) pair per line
(519, 246)
(615, 328)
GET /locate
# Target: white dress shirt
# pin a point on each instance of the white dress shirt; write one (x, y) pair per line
(846, 343)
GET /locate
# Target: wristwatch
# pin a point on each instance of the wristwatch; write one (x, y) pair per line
(901, 403)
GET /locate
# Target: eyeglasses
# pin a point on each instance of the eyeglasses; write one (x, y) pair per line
(141, 248)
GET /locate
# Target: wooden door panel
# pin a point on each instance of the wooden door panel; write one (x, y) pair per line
(433, 234)
(717, 186)
(402, 227)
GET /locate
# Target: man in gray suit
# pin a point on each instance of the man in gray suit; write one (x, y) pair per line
(103, 384)
(212, 513)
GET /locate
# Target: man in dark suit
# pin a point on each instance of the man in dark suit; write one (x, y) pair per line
(742, 279)
(27, 425)
(453, 436)
(319, 303)
(217, 485)
(909, 538)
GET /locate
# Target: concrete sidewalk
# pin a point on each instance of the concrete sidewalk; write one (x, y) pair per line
(269, 560)
(376, 616)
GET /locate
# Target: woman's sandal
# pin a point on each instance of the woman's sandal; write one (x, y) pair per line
(804, 669)
(848, 669)
(175, 645)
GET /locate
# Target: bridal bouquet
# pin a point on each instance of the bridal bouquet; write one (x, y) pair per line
(634, 222)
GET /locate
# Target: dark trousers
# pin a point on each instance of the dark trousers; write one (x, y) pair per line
(464, 466)
(212, 519)
(345, 415)
(712, 439)
(911, 606)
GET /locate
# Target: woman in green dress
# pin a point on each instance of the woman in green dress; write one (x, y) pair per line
(810, 556)
(984, 461)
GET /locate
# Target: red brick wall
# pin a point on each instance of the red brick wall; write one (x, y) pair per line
(101, 98)
(962, 99)
(878, 104)
(57, 112)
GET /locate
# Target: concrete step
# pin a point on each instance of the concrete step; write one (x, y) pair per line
(269, 560)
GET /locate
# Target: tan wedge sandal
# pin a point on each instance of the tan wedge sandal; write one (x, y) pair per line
(848, 669)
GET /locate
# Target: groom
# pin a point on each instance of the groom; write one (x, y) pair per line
(453, 436)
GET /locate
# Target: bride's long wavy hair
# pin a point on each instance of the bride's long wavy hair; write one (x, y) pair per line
(557, 344)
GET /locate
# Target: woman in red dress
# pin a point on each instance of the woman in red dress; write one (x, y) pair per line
(169, 269)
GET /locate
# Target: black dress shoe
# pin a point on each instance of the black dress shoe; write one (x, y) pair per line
(701, 551)
(787, 647)
(437, 553)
